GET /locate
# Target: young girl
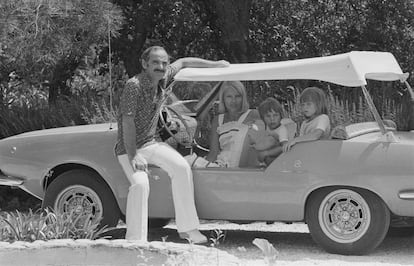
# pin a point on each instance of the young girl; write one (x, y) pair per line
(316, 125)
(270, 145)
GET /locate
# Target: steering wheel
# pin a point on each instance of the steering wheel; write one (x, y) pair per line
(163, 121)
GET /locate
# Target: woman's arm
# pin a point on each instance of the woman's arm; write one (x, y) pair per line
(214, 141)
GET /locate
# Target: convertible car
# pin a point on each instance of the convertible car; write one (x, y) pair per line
(349, 189)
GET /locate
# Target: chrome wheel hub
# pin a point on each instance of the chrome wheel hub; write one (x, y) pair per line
(344, 216)
(80, 200)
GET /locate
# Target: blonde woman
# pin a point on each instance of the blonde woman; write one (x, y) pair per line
(229, 128)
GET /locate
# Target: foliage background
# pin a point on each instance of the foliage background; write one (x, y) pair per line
(54, 55)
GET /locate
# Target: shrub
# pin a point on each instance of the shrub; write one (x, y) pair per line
(46, 225)
(98, 112)
(14, 198)
(23, 118)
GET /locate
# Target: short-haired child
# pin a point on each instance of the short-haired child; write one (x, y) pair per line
(270, 146)
(315, 110)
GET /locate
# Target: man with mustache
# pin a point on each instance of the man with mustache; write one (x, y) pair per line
(138, 145)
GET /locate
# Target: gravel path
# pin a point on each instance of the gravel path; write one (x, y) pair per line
(294, 245)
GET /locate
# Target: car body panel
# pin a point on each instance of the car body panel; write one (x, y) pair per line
(363, 162)
(32, 156)
(276, 193)
(280, 191)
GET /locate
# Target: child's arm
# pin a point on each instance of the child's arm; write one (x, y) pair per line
(272, 152)
(314, 135)
(281, 137)
(317, 133)
(260, 139)
(265, 143)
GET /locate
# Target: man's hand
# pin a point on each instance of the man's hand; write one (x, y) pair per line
(139, 163)
(223, 63)
(174, 126)
(199, 62)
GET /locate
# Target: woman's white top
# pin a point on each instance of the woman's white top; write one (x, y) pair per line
(231, 138)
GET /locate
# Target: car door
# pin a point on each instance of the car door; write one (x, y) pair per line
(227, 193)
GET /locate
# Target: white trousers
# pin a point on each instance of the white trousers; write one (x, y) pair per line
(179, 170)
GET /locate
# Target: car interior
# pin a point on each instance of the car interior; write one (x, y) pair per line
(192, 134)
(344, 132)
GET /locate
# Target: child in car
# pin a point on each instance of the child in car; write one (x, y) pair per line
(270, 144)
(316, 125)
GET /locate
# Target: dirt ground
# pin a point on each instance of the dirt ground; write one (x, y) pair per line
(293, 244)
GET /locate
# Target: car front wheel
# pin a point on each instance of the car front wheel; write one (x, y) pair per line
(83, 192)
(347, 221)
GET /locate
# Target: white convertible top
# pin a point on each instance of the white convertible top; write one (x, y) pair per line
(349, 69)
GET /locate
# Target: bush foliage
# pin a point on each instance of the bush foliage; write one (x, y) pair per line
(47, 225)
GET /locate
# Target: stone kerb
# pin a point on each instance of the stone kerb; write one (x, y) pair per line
(104, 252)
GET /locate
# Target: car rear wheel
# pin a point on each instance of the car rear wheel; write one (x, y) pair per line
(347, 221)
(84, 193)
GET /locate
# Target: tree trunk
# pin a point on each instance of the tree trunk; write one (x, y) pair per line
(129, 46)
(134, 34)
(230, 18)
(62, 72)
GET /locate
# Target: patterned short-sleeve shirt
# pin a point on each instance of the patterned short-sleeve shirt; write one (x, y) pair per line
(142, 101)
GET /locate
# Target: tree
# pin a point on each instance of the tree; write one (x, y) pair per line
(44, 41)
(176, 25)
(134, 32)
(229, 20)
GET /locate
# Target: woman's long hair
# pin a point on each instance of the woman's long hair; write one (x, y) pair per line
(239, 87)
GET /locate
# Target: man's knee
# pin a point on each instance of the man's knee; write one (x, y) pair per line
(140, 179)
(180, 169)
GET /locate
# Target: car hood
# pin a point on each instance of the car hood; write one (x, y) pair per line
(68, 130)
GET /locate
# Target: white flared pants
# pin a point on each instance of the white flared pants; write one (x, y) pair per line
(162, 155)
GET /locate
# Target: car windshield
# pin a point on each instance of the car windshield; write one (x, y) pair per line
(190, 98)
